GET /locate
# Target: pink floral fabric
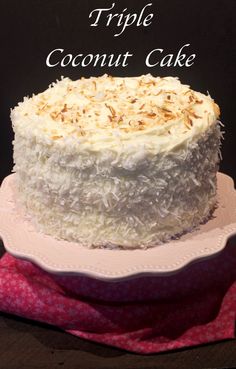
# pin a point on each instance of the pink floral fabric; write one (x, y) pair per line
(145, 315)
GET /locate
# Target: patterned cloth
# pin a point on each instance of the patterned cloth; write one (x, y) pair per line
(146, 315)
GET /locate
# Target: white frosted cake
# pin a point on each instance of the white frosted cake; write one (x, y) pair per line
(117, 162)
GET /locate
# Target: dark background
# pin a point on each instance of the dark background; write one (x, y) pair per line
(30, 29)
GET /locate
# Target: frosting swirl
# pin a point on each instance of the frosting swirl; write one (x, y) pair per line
(159, 113)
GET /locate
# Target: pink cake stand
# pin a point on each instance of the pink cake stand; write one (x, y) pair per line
(22, 240)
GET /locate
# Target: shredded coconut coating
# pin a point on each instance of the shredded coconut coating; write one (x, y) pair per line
(117, 162)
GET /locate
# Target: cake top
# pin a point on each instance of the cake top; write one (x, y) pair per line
(112, 109)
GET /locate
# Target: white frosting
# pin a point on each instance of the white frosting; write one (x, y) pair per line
(104, 182)
(156, 114)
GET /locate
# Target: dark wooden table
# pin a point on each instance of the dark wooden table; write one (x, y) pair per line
(27, 344)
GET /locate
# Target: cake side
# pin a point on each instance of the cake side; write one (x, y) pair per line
(114, 187)
(86, 199)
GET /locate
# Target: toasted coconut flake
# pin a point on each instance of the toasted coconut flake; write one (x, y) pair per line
(169, 115)
(151, 114)
(187, 92)
(54, 115)
(95, 85)
(188, 122)
(165, 109)
(216, 109)
(82, 132)
(64, 110)
(193, 114)
(141, 124)
(120, 119)
(112, 110)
